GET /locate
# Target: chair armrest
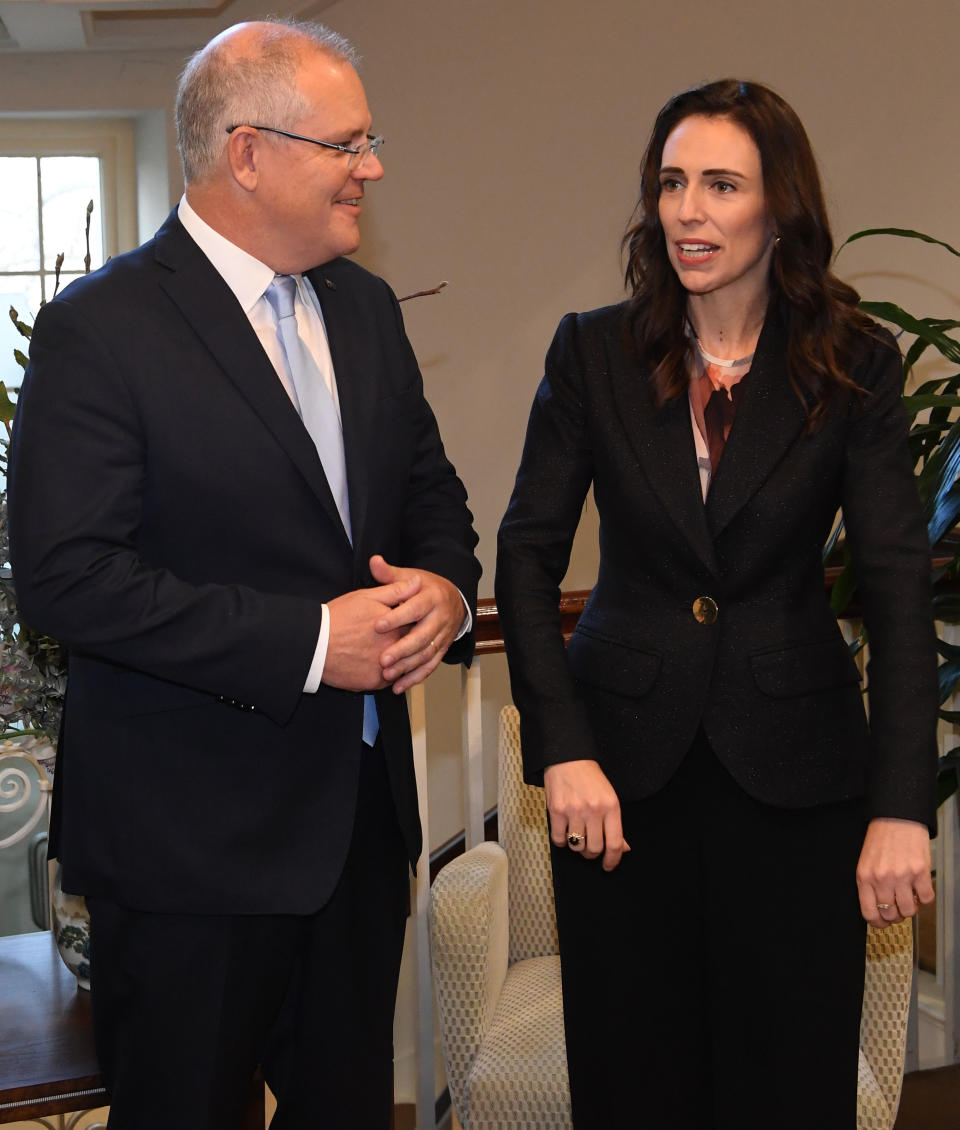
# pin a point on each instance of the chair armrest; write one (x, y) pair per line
(886, 1005)
(469, 934)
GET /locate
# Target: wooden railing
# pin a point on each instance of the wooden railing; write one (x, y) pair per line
(490, 634)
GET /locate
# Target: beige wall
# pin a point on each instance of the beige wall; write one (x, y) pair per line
(514, 131)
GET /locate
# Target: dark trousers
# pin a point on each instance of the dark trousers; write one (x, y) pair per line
(186, 1006)
(714, 980)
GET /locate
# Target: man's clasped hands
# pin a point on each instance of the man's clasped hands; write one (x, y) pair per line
(393, 634)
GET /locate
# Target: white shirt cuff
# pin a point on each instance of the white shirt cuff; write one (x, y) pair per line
(315, 674)
(467, 619)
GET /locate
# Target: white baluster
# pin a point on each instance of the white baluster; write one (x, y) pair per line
(471, 722)
(426, 1083)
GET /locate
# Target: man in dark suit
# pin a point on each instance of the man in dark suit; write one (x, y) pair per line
(244, 603)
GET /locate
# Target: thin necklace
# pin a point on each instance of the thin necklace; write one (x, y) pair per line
(719, 360)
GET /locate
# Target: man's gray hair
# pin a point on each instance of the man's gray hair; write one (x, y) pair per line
(220, 87)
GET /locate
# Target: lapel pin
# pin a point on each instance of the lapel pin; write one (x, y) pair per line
(329, 284)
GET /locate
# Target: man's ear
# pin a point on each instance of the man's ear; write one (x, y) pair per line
(243, 156)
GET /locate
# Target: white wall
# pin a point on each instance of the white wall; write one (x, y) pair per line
(514, 132)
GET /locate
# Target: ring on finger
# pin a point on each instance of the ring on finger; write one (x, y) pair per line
(884, 906)
(576, 839)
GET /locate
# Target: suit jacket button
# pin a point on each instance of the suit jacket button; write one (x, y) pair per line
(705, 610)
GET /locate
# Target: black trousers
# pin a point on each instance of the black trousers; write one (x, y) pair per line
(714, 980)
(186, 1006)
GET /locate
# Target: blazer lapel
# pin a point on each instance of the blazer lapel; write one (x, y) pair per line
(663, 441)
(769, 418)
(210, 308)
(357, 411)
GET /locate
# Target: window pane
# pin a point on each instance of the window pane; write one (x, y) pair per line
(68, 184)
(18, 214)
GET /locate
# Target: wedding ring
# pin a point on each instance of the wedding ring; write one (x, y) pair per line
(883, 906)
(575, 839)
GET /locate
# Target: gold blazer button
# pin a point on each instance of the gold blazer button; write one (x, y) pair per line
(705, 610)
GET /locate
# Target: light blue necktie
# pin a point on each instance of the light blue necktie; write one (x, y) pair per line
(314, 402)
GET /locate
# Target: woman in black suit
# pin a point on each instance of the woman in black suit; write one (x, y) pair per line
(716, 797)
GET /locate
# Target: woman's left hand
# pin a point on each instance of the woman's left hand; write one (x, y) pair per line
(893, 873)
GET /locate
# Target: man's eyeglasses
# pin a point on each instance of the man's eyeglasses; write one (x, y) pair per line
(356, 155)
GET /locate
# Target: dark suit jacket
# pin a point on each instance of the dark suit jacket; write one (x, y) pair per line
(771, 681)
(171, 523)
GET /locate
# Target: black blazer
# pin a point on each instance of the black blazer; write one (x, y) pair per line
(171, 523)
(771, 681)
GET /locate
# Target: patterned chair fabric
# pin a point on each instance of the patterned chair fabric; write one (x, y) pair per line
(883, 1024)
(496, 966)
(522, 821)
(496, 971)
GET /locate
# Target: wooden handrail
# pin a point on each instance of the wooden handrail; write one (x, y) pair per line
(490, 634)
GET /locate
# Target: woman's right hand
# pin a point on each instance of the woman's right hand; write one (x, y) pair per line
(581, 800)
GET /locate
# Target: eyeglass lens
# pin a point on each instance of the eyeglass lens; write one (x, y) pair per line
(371, 146)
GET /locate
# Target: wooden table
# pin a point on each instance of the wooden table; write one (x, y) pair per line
(47, 1062)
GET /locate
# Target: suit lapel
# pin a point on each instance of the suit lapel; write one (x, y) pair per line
(210, 308)
(663, 442)
(357, 410)
(769, 418)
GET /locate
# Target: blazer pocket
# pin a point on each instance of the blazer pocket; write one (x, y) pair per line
(804, 669)
(611, 665)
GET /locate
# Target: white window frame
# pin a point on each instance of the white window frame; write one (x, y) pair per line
(109, 139)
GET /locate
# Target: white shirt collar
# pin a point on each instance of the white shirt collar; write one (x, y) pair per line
(246, 276)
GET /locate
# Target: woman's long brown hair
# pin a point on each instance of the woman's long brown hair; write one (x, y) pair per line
(820, 312)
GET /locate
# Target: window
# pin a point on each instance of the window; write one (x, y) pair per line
(50, 170)
(43, 212)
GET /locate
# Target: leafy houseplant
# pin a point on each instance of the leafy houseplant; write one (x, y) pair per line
(935, 447)
(32, 665)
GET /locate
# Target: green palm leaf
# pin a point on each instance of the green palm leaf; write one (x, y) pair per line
(905, 233)
(929, 330)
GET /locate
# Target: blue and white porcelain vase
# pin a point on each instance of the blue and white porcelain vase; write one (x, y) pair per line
(71, 930)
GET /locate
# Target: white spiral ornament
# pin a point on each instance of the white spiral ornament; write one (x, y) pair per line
(24, 787)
